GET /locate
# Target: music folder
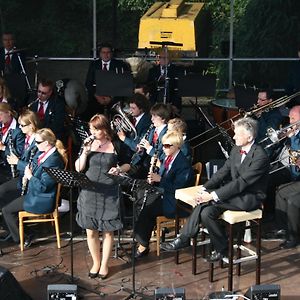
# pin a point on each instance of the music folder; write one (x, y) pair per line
(109, 83)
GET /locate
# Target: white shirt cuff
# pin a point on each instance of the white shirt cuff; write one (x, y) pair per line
(215, 196)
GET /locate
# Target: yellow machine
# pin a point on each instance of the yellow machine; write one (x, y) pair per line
(177, 22)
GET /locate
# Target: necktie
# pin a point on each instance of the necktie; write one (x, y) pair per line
(7, 59)
(133, 121)
(41, 112)
(243, 152)
(26, 142)
(104, 67)
(41, 157)
(168, 161)
(155, 137)
(5, 128)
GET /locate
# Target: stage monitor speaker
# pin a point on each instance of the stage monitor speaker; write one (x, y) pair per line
(169, 294)
(10, 289)
(264, 292)
(62, 292)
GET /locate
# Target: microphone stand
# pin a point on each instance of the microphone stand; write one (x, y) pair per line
(23, 71)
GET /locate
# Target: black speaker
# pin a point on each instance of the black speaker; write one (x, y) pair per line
(62, 292)
(169, 294)
(10, 289)
(264, 292)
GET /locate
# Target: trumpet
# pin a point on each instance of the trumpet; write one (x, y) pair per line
(276, 136)
(120, 121)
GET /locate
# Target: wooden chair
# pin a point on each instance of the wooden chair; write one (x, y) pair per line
(164, 222)
(26, 217)
(235, 217)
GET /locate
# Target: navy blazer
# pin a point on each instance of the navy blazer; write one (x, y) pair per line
(179, 176)
(141, 128)
(54, 115)
(249, 179)
(40, 197)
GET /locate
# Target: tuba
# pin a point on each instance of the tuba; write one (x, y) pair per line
(120, 121)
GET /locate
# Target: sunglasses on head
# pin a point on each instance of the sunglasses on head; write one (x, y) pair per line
(167, 146)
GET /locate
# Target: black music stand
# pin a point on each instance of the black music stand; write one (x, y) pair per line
(114, 84)
(135, 184)
(70, 179)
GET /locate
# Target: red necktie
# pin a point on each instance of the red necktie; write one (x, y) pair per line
(133, 121)
(41, 157)
(168, 161)
(155, 137)
(26, 142)
(243, 152)
(41, 112)
(104, 68)
(7, 59)
(4, 129)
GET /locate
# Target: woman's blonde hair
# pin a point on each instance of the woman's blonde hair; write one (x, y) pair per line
(174, 138)
(30, 118)
(5, 107)
(178, 125)
(48, 135)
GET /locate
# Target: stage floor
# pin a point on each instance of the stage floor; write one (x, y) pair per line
(43, 264)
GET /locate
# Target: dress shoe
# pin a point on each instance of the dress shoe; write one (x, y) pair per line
(103, 276)
(288, 244)
(28, 241)
(176, 244)
(215, 256)
(93, 275)
(275, 234)
(139, 254)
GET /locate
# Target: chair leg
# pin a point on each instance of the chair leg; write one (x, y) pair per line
(230, 258)
(176, 233)
(57, 232)
(194, 256)
(211, 272)
(158, 230)
(21, 233)
(258, 251)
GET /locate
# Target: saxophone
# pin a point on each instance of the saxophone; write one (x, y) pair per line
(12, 151)
(24, 179)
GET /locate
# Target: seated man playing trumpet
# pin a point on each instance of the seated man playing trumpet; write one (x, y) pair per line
(248, 167)
(176, 172)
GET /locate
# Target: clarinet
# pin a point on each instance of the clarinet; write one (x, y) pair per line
(12, 151)
(24, 179)
(138, 154)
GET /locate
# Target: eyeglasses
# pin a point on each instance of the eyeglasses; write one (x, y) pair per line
(39, 142)
(167, 146)
(41, 92)
(24, 125)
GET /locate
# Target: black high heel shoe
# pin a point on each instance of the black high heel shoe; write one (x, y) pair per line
(93, 275)
(103, 276)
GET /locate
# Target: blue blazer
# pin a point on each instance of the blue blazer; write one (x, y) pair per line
(18, 139)
(159, 143)
(179, 176)
(40, 197)
(141, 128)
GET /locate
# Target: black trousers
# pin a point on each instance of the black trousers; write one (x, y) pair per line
(9, 191)
(288, 208)
(147, 220)
(10, 214)
(208, 214)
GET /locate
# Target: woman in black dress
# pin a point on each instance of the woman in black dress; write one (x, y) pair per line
(98, 209)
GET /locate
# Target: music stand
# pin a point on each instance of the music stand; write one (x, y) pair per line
(70, 179)
(124, 179)
(114, 84)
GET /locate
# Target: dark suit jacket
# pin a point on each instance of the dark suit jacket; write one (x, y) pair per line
(179, 176)
(248, 183)
(141, 128)
(54, 115)
(14, 62)
(40, 197)
(115, 66)
(156, 85)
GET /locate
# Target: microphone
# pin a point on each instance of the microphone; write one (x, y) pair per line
(88, 140)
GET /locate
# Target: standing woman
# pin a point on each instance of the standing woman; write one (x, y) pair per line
(29, 124)
(98, 209)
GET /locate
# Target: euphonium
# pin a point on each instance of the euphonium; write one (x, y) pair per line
(120, 121)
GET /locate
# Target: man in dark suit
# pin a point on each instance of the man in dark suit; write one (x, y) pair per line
(175, 172)
(162, 81)
(248, 166)
(106, 63)
(50, 108)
